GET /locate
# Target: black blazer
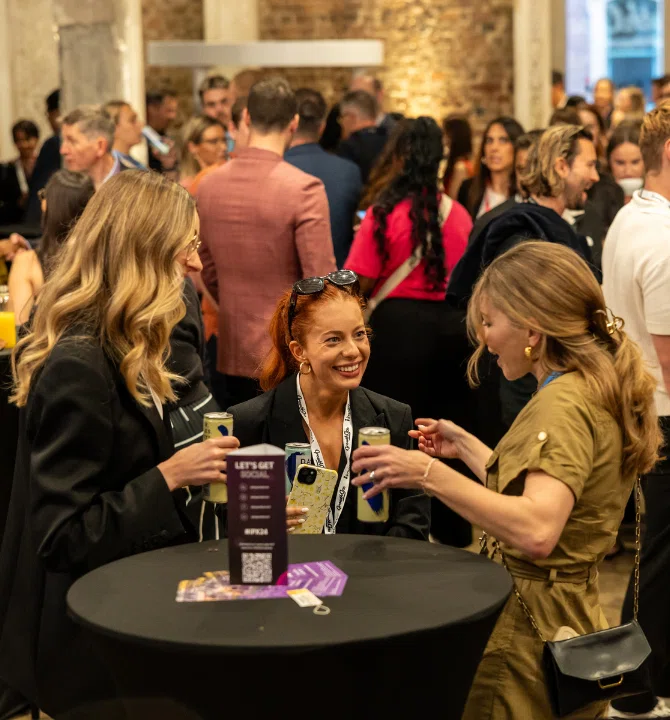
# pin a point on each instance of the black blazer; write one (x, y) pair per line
(363, 147)
(11, 212)
(86, 491)
(274, 418)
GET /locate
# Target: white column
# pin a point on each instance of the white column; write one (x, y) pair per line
(28, 66)
(532, 62)
(227, 21)
(598, 39)
(101, 52)
(6, 96)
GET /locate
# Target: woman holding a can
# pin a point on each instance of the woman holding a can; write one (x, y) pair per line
(312, 380)
(97, 477)
(557, 483)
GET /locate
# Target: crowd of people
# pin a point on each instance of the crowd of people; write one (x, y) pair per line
(316, 270)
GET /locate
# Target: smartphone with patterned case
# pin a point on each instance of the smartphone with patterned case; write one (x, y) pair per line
(313, 488)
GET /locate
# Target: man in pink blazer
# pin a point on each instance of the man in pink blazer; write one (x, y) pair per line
(264, 224)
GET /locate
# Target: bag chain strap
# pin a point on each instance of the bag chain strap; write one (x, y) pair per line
(483, 540)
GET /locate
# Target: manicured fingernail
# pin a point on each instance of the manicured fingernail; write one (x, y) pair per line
(301, 520)
(304, 510)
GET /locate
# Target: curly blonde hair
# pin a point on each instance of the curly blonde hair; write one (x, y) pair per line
(118, 281)
(540, 176)
(548, 288)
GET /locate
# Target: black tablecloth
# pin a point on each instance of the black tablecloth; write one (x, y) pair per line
(405, 637)
(9, 424)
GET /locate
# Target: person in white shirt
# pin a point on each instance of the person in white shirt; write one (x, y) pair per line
(636, 270)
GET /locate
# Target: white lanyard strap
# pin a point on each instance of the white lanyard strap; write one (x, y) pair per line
(21, 177)
(317, 457)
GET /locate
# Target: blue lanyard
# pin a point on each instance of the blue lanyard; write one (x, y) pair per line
(551, 377)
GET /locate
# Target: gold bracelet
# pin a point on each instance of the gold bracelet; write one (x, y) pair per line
(425, 477)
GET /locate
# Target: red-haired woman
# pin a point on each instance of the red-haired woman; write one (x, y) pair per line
(312, 380)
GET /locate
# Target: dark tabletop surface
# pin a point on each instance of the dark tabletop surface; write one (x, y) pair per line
(396, 587)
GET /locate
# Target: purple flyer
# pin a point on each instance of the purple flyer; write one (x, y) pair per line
(323, 578)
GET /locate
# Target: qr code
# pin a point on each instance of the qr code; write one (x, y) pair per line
(256, 567)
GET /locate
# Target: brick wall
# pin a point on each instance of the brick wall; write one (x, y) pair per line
(172, 20)
(441, 56)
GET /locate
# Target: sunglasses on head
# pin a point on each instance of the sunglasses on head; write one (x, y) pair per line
(315, 285)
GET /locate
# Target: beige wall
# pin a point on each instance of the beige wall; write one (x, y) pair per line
(29, 60)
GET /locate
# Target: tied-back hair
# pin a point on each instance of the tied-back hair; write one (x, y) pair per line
(419, 151)
(67, 193)
(117, 284)
(279, 362)
(482, 173)
(548, 288)
(386, 167)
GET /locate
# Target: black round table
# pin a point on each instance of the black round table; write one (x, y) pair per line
(9, 434)
(405, 637)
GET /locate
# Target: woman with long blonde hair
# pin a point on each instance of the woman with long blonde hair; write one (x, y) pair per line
(96, 478)
(556, 486)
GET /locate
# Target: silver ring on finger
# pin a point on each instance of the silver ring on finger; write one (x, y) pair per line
(372, 476)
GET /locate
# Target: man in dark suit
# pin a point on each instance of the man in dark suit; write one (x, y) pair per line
(48, 161)
(370, 83)
(362, 140)
(341, 178)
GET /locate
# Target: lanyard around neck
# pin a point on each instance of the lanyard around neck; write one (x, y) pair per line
(551, 378)
(317, 457)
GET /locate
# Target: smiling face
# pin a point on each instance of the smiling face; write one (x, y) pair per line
(581, 176)
(506, 340)
(336, 344)
(25, 144)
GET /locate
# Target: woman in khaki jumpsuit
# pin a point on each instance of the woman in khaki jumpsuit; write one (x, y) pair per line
(557, 484)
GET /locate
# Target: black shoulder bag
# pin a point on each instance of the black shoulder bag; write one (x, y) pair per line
(603, 665)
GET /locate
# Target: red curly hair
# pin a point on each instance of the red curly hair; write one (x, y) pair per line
(280, 363)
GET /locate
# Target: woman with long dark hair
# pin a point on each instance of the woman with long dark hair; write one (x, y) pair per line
(63, 200)
(495, 179)
(416, 336)
(458, 137)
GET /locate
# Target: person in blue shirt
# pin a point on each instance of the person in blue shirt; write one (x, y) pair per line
(342, 178)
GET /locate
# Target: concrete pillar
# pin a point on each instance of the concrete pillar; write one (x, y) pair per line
(100, 51)
(28, 66)
(558, 35)
(532, 62)
(227, 21)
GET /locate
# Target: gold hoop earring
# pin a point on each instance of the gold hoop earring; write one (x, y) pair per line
(528, 352)
(305, 362)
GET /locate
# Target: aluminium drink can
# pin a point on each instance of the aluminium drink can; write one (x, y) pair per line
(375, 509)
(216, 424)
(296, 454)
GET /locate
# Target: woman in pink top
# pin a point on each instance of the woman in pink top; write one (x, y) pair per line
(419, 343)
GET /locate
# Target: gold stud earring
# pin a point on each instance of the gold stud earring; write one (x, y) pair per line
(528, 352)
